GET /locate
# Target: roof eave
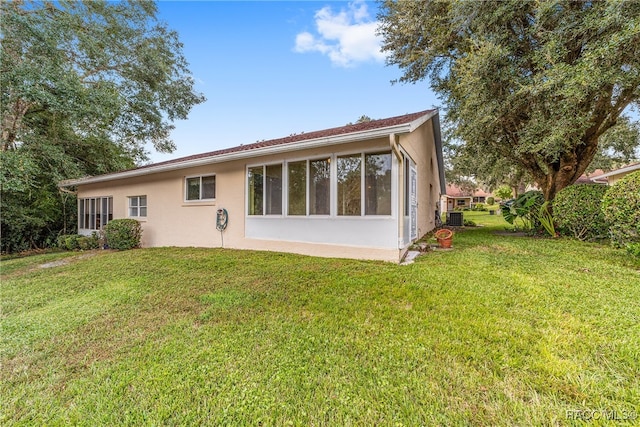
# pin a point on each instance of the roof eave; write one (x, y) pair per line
(629, 168)
(264, 151)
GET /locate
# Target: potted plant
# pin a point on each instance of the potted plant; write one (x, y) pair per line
(444, 236)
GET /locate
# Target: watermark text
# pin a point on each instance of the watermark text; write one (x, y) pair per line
(601, 414)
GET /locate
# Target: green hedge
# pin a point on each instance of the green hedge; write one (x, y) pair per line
(72, 242)
(123, 234)
(621, 208)
(577, 210)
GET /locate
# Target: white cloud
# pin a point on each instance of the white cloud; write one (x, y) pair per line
(346, 37)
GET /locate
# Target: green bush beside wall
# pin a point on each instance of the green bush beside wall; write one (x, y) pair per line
(577, 210)
(123, 234)
(621, 209)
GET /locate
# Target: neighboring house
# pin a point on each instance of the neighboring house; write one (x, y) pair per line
(456, 198)
(364, 191)
(615, 175)
(590, 178)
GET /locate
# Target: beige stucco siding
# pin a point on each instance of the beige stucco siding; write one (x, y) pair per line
(420, 146)
(172, 221)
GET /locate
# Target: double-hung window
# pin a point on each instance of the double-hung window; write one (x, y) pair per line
(200, 188)
(138, 206)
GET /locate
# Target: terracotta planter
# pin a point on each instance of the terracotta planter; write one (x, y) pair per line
(444, 237)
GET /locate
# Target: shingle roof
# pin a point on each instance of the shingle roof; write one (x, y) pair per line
(455, 191)
(358, 131)
(305, 136)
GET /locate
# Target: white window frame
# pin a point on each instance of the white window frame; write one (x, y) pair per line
(283, 196)
(334, 179)
(139, 206)
(85, 202)
(286, 200)
(199, 199)
(332, 185)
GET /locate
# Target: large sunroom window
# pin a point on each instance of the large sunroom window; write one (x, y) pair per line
(377, 172)
(376, 181)
(319, 187)
(94, 212)
(362, 181)
(350, 184)
(297, 190)
(265, 190)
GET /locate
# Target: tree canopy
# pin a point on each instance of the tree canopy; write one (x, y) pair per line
(85, 88)
(535, 84)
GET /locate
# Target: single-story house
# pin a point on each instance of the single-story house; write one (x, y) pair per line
(457, 198)
(615, 175)
(366, 191)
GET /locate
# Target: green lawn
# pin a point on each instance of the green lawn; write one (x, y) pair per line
(502, 330)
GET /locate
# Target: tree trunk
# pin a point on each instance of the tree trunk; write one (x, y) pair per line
(568, 169)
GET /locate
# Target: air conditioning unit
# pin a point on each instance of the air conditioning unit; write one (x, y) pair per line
(455, 219)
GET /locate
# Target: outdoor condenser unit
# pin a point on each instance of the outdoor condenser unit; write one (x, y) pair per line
(455, 219)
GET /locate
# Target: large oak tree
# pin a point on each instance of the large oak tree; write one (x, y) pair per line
(85, 87)
(535, 83)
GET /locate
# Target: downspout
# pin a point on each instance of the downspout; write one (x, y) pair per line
(393, 142)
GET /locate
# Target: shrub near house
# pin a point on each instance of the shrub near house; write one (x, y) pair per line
(123, 234)
(621, 209)
(577, 211)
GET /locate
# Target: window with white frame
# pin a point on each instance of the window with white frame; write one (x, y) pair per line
(371, 183)
(265, 190)
(297, 188)
(363, 183)
(273, 190)
(319, 187)
(377, 184)
(200, 188)
(94, 212)
(138, 206)
(349, 184)
(316, 184)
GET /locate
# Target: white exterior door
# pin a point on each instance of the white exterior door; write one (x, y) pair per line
(413, 201)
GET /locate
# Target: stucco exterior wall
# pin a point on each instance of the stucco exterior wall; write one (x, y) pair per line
(420, 146)
(611, 180)
(173, 221)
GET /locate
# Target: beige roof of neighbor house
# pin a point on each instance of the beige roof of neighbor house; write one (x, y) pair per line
(338, 135)
(626, 169)
(455, 191)
(588, 178)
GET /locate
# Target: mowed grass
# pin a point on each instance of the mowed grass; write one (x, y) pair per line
(501, 330)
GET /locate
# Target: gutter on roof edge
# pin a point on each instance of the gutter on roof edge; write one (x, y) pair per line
(264, 151)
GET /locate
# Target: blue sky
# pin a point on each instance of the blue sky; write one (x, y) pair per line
(270, 69)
